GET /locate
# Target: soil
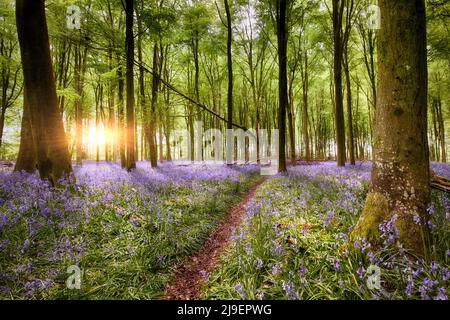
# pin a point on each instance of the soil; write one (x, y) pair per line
(190, 273)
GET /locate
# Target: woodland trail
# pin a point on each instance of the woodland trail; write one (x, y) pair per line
(189, 274)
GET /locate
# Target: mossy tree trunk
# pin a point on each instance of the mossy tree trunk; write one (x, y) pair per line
(400, 186)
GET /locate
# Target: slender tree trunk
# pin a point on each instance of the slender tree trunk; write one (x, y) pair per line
(230, 137)
(121, 116)
(152, 123)
(78, 108)
(291, 127)
(2, 124)
(49, 138)
(338, 10)
(131, 155)
(142, 98)
(305, 128)
(441, 129)
(282, 82)
(351, 143)
(400, 186)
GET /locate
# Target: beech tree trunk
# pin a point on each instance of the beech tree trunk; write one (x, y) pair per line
(305, 129)
(120, 118)
(26, 159)
(282, 82)
(152, 122)
(230, 137)
(49, 139)
(338, 10)
(131, 155)
(400, 186)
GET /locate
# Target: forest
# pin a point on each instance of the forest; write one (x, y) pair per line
(224, 149)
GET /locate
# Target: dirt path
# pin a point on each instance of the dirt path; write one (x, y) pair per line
(190, 273)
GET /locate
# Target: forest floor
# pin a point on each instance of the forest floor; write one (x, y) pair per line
(191, 273)
(203, 231)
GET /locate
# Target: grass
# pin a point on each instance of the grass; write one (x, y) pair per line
(125, 231)
(294, 245)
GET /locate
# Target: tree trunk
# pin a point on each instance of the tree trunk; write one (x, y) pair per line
(142, 98)
(282, 82)
(131, 159)
(351, 142)
(400, 186)
(338, 10)
(110, 146)
(120, 117)
(291, 126)
(2, 124)
(305, 129)
(230, 137)
(152, 123)
(441, 129)
(49, 138)
(78, 105)
(26, 159)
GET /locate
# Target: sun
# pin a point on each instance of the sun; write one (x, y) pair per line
(97, 135)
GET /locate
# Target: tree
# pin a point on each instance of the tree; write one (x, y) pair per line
(130, 158)
(338, 12)
(347, 30)
(26, 159)
(9, 78)
(281, 9)
(230, 138)
(79, 70)
(49, 140)
(152, 122)
(400, 186)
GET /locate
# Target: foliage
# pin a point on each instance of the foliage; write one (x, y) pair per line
(294, 244)
(124, 230)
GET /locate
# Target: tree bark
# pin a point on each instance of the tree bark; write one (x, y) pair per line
(338, 10)
(282, 82)
(305, 129)
(351, 141)
(120, 117)
(400, 186)
(230, 137)
(26, 159)
(152, 122)
(129, 39)
(49, 138)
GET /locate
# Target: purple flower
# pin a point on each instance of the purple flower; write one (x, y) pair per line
(240, 290)
(24, 247)
(426, 288)
(302, 270)
(258, 263)
(277, 249)
(442, 294)
(409, 286)
(337, 265)
(434, 267)
(290, 291)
